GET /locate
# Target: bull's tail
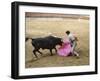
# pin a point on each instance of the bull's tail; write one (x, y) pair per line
(27, 38)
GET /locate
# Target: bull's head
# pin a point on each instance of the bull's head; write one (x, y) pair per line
(60, 41)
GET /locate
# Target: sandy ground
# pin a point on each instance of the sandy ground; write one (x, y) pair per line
(43, 27)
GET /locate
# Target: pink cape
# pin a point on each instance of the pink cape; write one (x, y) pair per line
(65, 49)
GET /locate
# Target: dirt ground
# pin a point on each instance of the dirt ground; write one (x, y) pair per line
(43, 27)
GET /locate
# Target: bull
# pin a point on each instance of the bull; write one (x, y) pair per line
(49, 42)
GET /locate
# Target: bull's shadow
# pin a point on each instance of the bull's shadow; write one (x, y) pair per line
(39, 57)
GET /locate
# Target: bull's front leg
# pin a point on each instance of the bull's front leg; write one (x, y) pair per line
(34, 51)
(51, 52)
(55, 50)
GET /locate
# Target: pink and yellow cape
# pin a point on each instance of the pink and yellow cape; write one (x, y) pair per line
(65, 49)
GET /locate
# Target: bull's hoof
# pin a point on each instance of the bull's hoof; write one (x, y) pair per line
(51, 54)
(35, 58)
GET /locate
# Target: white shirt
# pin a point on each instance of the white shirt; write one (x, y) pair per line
(71, 37)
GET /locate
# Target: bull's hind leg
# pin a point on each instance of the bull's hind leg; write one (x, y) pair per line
(39, 52)
(34, 51)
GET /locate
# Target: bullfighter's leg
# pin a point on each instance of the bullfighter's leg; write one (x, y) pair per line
(76, 54)
(51, 52)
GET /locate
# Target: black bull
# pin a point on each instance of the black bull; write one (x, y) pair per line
(49, 42)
